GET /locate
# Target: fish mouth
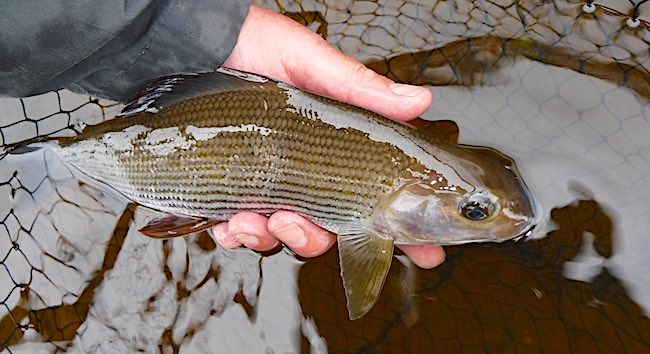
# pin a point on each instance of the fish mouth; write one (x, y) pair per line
(528, 229)
(523, 227)
(524, 234)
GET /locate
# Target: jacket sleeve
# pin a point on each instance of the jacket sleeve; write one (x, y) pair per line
(111, 48)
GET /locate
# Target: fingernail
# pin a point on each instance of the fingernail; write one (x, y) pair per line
(293, 235)
(247, 240)
(405, 90)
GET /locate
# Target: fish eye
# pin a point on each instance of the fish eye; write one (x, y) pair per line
(476, 207)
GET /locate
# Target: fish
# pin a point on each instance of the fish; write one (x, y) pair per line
(202, 147)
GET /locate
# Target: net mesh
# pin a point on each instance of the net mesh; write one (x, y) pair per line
(59, 240)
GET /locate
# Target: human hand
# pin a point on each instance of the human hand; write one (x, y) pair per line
(273, 45)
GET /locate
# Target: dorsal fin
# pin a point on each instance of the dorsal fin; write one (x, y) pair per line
(442, 129)
(169, 90)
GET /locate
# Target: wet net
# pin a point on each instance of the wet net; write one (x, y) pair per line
(568, 80)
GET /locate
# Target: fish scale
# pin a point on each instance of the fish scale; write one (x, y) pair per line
(202, 148)
(314, 173)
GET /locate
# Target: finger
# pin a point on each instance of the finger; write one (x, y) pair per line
(220, 234)
(329, 72)
(344, 79)
(302, 236)
(250, 229)
(424, 256)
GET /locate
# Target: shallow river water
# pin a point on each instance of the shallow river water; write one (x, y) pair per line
(562, 89)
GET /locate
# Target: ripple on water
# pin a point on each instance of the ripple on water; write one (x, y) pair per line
(580, 142)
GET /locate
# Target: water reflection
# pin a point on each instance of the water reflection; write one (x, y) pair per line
(500, 298)
(588, 131)
(563, 91)
(60, 324)
(152, 295)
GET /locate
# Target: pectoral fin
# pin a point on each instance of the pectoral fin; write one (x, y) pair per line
(174, 226)
(365, 259)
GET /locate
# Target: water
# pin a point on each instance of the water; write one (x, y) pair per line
(71, 280)
(571, 147)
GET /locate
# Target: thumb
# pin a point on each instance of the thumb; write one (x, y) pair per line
(276, 46)
(335, 75)
(328, 72)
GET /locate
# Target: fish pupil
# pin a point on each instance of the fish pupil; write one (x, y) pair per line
(475, 211)
(476, 207)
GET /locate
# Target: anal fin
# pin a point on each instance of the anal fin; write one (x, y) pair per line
(174, 226)
(365, 258)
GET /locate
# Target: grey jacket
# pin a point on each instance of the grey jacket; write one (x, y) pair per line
(111, 48)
